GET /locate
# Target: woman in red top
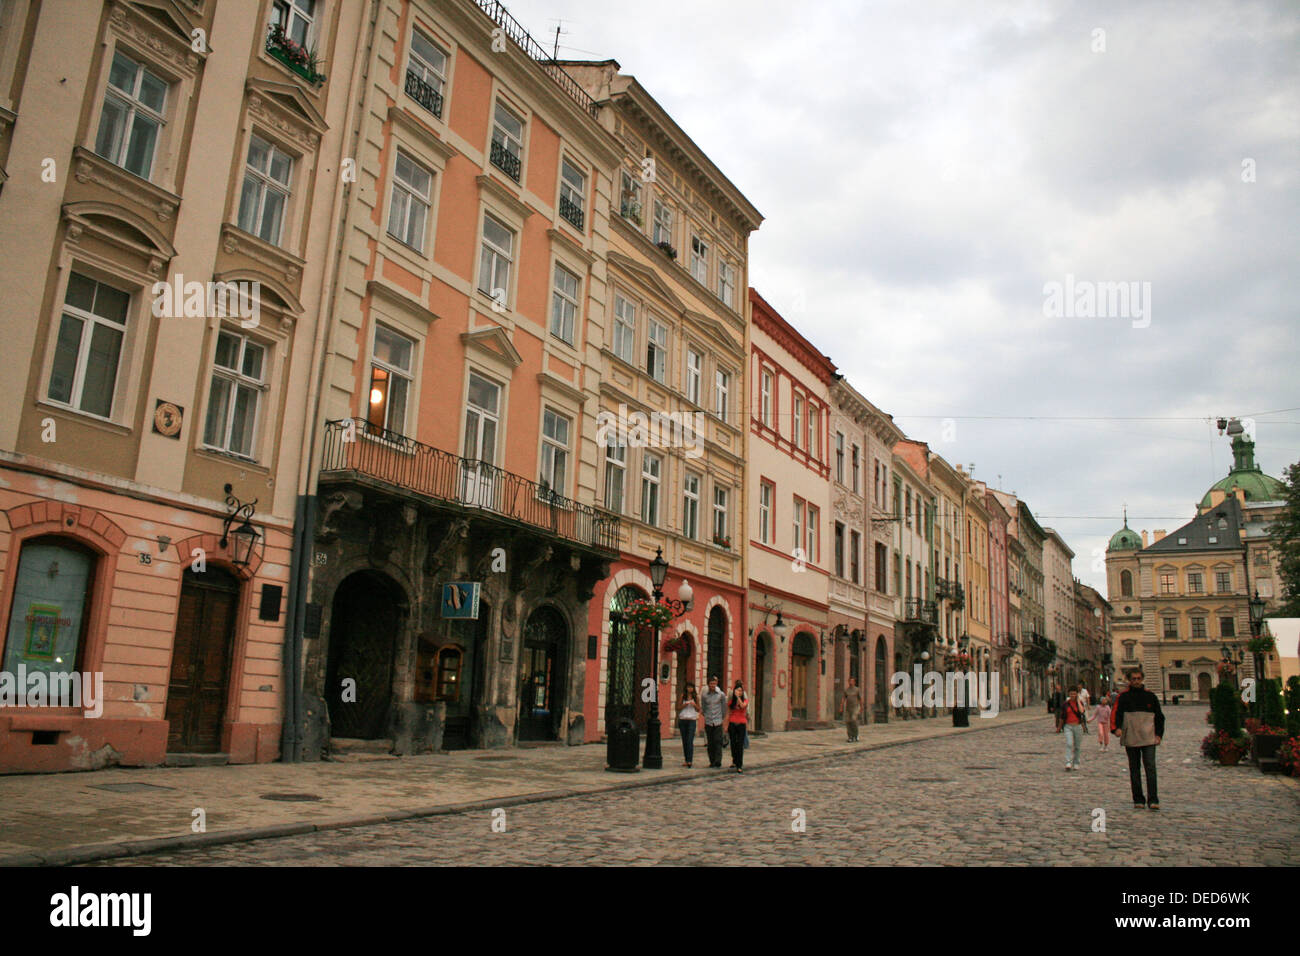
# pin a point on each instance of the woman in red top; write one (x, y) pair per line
(737, 709)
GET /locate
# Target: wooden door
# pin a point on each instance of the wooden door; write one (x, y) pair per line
(760, 684)
(205, 632)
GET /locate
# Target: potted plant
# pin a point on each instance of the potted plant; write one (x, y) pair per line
(1288, 756)
(722, 541)
(293, 55)
(1222, 746)
(645, 613)
(667, 249)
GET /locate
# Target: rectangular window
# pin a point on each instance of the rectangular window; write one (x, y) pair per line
(1194, 582)
(839, 549)
(265, 194)
(727, 284)
(297, 18)
(507, 141)
(615, 470)
(1227, 627)
(766, 490)
(797, 430)
(694, 374)
(390, 380)
(1171, 628)
(426, 73)
(1223, 581)
(839, 457)
(651, 468)
(814, 432)
(882, 568)
(409, 209)
(624, 329)
(495, 260)
(629, 198)
(656, 350)
(573, 194)
(663, 227)
(1198, 628)
(238, 376)
(482, 416)
(1166, 582)
(555, 452)
(700, 259)
(89, 346)
(691, 505)
(564, 304)
(855, 547)
(797, 523)
(907, 506)
(765, 401)
(1180, 681)
(132, 118)
(721, 534)
(722, 391)
(814, 535)
(857, 468)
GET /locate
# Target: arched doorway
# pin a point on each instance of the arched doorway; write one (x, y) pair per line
(1203, 686)
(685, 661)
(541, 699)
(717, 657)
(365, 622)
(205, 636)
(630, 660)
(882, 680)
(803, 678)
(463, 668)
(762, 689)
(837, 691)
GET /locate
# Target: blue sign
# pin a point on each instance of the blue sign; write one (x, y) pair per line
(460, 600)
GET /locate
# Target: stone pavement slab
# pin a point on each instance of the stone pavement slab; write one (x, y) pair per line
(67, 818)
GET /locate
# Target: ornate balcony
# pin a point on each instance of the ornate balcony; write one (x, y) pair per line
(355, 448)
(571, 211)
(506, 161)
(918, 611)
(423, 93)
(515, 31)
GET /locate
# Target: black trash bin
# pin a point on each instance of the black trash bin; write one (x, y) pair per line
(961, 716)
(622, 746)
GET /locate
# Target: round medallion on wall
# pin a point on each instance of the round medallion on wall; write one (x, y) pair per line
(167, 418)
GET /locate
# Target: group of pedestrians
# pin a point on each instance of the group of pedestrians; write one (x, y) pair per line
(713, 707)
(1134, 715)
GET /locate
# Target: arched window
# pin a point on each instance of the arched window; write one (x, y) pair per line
(717, 651)
(52, 600)
(1126, 583)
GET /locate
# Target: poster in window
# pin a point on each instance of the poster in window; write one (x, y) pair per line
(50, 591)
(42, 631)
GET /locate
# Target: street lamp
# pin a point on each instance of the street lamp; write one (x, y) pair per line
(245, 536)
(1257, 605)
(654, 759)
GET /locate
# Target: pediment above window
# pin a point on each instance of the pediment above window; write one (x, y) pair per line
(163, 27)
(495, 344)
(647, 277)
(120, 228)
(282, 107)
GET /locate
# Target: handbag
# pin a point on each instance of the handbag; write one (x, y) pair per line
(747, 736)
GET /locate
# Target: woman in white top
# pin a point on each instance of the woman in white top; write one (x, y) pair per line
(688, 712)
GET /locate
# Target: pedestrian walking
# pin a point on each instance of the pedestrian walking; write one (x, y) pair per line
(1084, 697)
(1102, 716)
(852, 707)
(1072, 718)
(737, 725)
(1141, 725)
(688, 712)
(1056, 700)
(713, 706)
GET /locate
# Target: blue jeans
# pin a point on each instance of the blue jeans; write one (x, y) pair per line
(687, 729)
(1073, 741)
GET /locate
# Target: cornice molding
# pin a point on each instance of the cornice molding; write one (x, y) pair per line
(489, 184)
(378, 289)
(174, 47)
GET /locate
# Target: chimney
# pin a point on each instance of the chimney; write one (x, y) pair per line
(1157, 535)
(1144, 539)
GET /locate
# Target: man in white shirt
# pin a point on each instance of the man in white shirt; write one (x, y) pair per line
(714, 705)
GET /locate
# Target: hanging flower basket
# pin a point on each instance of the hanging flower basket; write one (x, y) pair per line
(959, 661)
(645, 613)
(675, 645)
(1264, 644)
(1226, 668)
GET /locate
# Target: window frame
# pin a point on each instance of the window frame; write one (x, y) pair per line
(662, 230)
(766, 495)
(722, 393)
(237, 378)
(624, 338)
(491, 255)
(133, 106)
(721, 512)
(560, 299)
(693, 375)
(651, 482)
(691, 504)
(580, 192)
(416, 64)
(615, 463)
(266, 183)
(89, 321)
(411, 198)
(507, 138)
(560, 452)
(657, 348)
(393, 371)
(699, 259)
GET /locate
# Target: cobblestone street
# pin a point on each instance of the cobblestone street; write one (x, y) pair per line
(998, 797)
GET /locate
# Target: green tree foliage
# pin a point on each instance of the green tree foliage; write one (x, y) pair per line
(1285, 532)
(1227, 708)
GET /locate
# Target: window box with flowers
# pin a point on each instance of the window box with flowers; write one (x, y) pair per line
(722, 541)
(292, 54)
(667, 249)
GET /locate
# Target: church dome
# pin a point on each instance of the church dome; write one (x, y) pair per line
(1245, 474)
(1125, 539)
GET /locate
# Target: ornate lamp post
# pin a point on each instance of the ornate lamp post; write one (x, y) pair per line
(654, 759)
(1257, 605)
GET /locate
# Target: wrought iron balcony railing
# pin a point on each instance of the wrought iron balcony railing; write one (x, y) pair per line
(506, 161)
(515, 31)
(355, 445)
(423, 93)
(916, 610)
(571, 211)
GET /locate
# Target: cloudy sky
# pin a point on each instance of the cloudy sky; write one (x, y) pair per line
(928, 168)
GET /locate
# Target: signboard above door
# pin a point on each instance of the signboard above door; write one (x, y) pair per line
(460, 600)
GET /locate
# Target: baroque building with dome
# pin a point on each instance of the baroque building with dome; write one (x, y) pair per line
(1180, 598)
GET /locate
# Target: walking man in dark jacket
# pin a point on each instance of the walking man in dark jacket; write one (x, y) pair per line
(1141, 724)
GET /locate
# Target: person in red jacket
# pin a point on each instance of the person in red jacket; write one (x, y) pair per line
(1141, 724)
(1073, 719)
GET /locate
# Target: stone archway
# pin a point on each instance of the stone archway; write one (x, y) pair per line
(366, 620)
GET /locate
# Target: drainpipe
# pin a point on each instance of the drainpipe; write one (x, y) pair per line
(305, 509)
